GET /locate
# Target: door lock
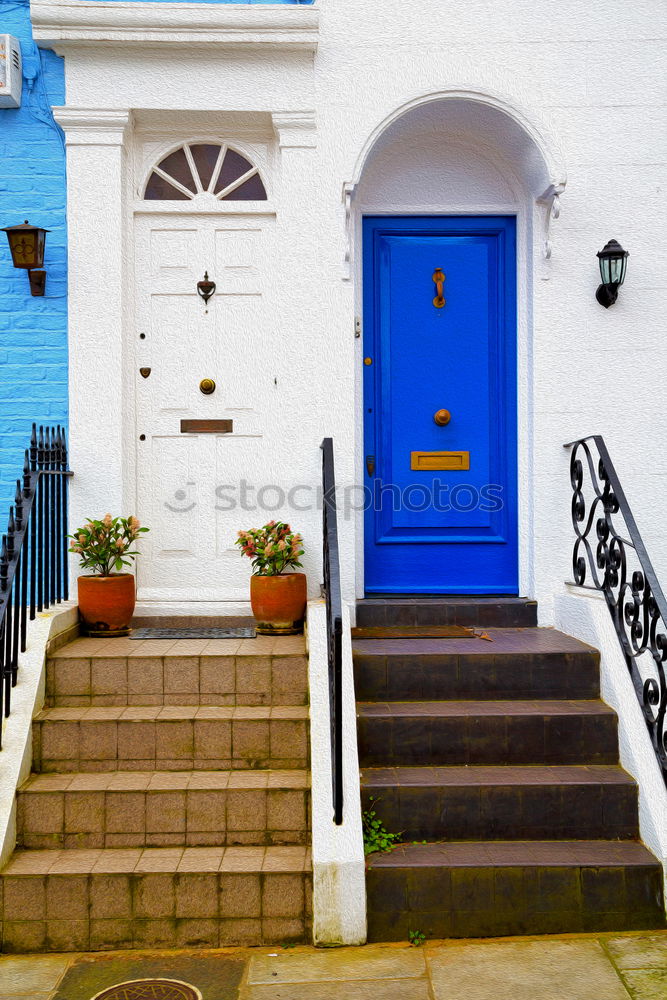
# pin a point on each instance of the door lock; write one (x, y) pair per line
(370, 464)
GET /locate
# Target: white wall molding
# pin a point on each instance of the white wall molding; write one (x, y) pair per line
(537, 131)
(543, 176)
(93, 127)
(295, 130)
(68, 24)
(97, 142)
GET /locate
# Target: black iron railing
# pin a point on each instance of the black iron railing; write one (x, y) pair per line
(334, 625)
(609, 555)
(33, 552)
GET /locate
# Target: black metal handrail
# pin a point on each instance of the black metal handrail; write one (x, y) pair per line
(620, 568)
(334, 606)
(33, 552)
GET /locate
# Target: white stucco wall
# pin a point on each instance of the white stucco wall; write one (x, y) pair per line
(590, 77)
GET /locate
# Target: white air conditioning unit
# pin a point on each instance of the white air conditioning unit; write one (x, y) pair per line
(10, 72)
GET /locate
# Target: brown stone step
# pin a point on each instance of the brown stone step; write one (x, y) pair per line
(486, 732)
(516, 663)
(500, 803)
(489, 889)
(97, 672)
(502, 612)
(178, 738)
(156, 898)
(158, 809)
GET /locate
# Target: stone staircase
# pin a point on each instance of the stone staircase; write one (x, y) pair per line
(502, 757)
(170, 801)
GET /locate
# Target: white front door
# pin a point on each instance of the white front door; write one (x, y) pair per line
(184, 479)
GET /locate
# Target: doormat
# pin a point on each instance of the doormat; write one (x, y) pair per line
(150, 989)
(242, 632)
(417, 632)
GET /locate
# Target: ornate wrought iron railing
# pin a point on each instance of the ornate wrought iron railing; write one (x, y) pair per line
(334, 625)
(610, 553)
(33, 552)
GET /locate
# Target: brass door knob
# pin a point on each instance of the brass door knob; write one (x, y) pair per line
(442, 417)
(207, 386)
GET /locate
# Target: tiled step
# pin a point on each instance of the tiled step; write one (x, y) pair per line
(486, 732)
(486, 889)
(178, 738)
(261, 671)
(502, 612)
(155, 898)
(516, 663)
(501, 803)
(158, 809)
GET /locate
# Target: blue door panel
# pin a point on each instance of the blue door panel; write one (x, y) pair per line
(446, 531)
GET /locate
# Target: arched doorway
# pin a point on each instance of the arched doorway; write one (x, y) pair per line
(450, 210)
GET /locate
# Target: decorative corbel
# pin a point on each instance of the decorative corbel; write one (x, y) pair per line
(550, 199)
(348, 261)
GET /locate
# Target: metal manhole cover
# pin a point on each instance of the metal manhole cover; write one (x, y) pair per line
(150, 989)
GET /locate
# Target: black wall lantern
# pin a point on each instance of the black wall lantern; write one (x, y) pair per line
(26, 243)
(613, 263)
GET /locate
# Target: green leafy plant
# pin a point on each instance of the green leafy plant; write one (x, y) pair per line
(273, 548)
(416, 938)
(106, 545)
(376, 837)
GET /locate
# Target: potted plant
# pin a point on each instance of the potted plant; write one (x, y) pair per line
(107, 598)
(278, 599)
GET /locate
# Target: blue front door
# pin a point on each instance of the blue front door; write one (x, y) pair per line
(440, 405)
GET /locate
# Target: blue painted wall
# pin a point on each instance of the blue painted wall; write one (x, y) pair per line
(33, 331)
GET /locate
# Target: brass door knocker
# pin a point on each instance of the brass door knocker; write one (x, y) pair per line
(206, 288)
(439, 280)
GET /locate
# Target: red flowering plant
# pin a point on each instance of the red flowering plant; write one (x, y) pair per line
(273, 548)
(107, 544)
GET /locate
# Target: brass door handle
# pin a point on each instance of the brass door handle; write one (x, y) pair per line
(442, 417)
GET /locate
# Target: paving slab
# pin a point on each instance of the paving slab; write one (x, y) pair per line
(646, 952)
(591, 967)
(367, 989)
(30, 975)
(337, 965)
(22, 996)
(647, 984)
(550, 970)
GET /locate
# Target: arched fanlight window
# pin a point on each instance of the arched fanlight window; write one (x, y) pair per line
(200, 167)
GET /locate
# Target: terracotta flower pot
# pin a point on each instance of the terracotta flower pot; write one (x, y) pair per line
(106, 603)
(279, 603)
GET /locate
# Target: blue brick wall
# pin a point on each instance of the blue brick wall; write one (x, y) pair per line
(33, 331)
(302, 3)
